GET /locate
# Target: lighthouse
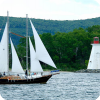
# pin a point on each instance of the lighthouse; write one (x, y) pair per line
(94, 61)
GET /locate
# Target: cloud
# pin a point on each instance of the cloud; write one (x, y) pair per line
(88, 16)
(51, 9)
(55, 15)
(59, 2)
(87, 2)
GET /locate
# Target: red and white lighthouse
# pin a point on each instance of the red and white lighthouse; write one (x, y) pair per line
(94, 61)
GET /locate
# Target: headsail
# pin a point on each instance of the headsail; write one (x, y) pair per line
(41, 52)
(4, 52)
(16, 66)
(35, 65)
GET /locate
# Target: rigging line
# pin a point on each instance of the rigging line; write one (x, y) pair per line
(18, 35)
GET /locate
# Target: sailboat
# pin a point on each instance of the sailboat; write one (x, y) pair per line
(17, 74)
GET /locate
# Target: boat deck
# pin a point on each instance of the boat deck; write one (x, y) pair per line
(19, 80)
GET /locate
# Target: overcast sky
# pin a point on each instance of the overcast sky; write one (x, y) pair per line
(51, 9)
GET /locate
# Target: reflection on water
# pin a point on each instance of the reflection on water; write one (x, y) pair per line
(63, 86)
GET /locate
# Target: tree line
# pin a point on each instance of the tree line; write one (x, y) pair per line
(70, 51)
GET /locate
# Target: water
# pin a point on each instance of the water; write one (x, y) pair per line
(63, 86)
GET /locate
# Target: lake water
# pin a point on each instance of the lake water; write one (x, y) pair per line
(63, 86)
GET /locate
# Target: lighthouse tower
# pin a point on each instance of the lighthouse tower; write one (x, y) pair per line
(94, 61)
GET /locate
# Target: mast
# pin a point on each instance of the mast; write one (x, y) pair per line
(27, 43)
(8, 39)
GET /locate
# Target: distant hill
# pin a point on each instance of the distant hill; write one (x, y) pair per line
(18, 25)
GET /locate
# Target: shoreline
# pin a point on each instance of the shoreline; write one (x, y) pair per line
(88, 71)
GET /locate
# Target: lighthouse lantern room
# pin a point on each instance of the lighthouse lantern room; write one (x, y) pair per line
(96, 40)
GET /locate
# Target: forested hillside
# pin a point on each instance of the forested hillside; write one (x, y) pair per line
(18, 25)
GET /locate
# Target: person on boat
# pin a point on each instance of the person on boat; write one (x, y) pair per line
(0, 75)
(32, 73)
(26, 73)
(29, 72)
(4, 74)
(41, 73)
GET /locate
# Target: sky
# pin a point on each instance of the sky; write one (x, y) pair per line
(51, 9)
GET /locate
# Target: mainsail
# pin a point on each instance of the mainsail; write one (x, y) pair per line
(35, 65)
(16, 66)
(4, 52)
(41, 52)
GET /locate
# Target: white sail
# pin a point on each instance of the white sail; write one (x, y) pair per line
(4, 52)
(16, 66)
(41, 52)
(35, 65)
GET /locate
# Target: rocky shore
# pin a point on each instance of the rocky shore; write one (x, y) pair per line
(88, 71)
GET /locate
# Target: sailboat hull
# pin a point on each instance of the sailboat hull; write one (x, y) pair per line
(42, 79)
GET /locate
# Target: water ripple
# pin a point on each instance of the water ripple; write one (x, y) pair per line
(65, 86)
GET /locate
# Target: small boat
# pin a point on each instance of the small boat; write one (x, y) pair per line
(17, 74)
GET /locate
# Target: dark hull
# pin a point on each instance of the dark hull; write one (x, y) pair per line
(42, 79)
